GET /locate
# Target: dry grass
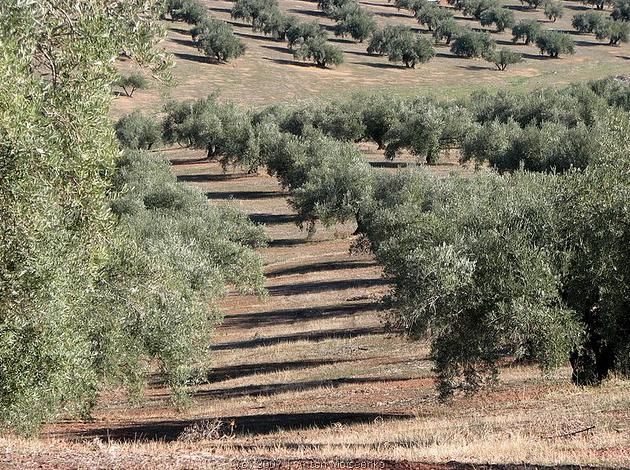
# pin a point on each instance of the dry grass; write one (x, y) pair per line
(267, 73)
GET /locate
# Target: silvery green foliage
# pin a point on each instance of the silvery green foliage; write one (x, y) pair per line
(138, 131)
(224, 130)
(88, 296)
(499, 266)
(474, 269)
(326, 179)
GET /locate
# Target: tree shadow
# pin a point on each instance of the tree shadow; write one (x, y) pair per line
(315, 13)
(180, 31)
(273, 219)
(323, 286)
(284, 50)
(267, 390)
(572, 32)
(196, 58)
(321, 266)
(504, 42)
(220, 9)
(340, 40)
(303, 336)
(184, 42)
(293, 315)
(202, 178)
(391, 14)
(246, 195)
(465, 18)
(255, 37)
(475, 67)
(524, 8)
(236, 24)
(189, 161)
(379, 65)
(286, 242)
(169, 430)
(220, 374)
(290, 62)
(364, 54)
(446, 55)
(583, 43)
(527, 55)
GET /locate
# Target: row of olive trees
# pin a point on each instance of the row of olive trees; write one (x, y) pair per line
(541, 130)
(352, 20)
(614, 30)
(426, 127)
(307, 40)
(499, 266)
(468, 43)
(106, 264)
(491, 267)
(215, 38)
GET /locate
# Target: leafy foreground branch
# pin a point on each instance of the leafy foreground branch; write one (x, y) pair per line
(98, 270)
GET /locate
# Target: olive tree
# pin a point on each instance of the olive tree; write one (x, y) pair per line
(501, 17)
(223, 130)
(621, 10)
(528, 30)
(216, 39)
(189, 11)
(554, 43)
(473, 270)
(597, 273)
(381, 39)
(132, 82)
(138, 131)
(588, 22)
(93, 288)
(300, 32)
(503, 58)
(446, 29)
(251, 10)
(357, 22)
(319, 51)
(379, 113)
(410, 50)
(614, 31)
(275, 23)
(425, 128)
(475, 8)
(432, 15)
(470, 44)
(553, 10)
(331, 6)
